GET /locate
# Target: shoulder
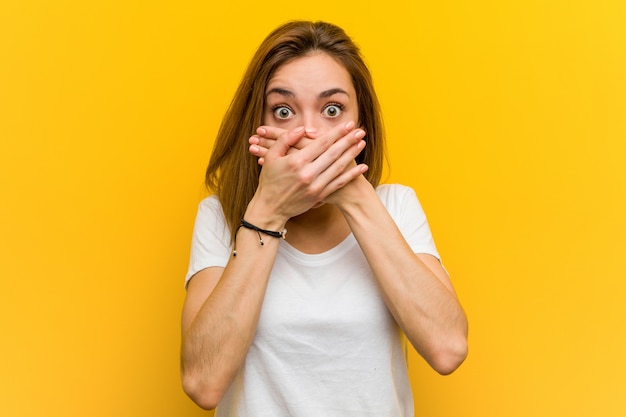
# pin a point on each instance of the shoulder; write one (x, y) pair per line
(210, 216)
(392, 194)
(210, 207)
(210, 203)
(400, 201)
(405, 209)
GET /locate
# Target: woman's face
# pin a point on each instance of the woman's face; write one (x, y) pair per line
(313, 91)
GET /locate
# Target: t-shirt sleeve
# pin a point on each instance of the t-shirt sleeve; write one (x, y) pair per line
(406, 210)
(210, 242)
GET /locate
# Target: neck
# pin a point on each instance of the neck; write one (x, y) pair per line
(318, 229)
(316, 217)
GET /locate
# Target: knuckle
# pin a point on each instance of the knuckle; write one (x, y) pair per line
(334, 153)
(340, 183)
(327, 141)
(315, 190)
(295, 163)
(306, 178)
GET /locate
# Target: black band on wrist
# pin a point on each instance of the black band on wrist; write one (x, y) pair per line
(250, 226)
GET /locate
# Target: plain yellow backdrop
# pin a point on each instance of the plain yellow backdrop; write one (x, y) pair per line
(508, 118)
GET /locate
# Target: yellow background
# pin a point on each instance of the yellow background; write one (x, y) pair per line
(508, 118)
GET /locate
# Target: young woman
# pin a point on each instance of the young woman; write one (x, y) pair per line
(309, 322)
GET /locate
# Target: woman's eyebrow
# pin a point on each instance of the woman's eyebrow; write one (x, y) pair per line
(324, 94)
(332, 92)
(281, 91)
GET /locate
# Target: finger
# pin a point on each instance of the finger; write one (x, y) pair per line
(324, 141)
(284, 142)
(302, 143)
(270, 132)
(345, 178)
(259, 146)
(339, 155)
(261, 159)
(258, 151)
(268, 141)
(341, 164)
(262, 142)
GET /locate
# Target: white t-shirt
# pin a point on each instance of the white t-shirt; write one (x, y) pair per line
(326, 344)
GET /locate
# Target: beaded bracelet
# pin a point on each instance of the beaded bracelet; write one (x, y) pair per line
(250, 226)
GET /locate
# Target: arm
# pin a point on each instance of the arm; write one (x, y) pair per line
(222, 307)
(219, 319)
(416, 288)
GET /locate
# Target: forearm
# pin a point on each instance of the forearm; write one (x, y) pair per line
(217, 336)
(424, 306)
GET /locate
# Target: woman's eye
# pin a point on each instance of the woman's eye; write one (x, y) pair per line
(332, 110)
(282, 112)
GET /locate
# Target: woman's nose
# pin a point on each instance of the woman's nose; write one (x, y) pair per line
(312, 123)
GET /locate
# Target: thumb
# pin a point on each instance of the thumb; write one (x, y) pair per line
(285, 142)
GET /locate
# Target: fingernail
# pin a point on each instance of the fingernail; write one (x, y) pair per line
(253, 149)
(359, 134)
(298, 129)
(349, 125)
(311, 130)
(261, 131)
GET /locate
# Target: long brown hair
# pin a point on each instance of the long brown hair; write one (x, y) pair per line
(233, 173)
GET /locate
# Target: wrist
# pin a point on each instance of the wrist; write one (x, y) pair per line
(353, 195)
(264, 217)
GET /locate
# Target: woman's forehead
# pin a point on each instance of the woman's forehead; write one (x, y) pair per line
(319, 71)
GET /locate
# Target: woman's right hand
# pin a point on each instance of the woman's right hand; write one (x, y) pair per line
(266, 137)
(300, 171)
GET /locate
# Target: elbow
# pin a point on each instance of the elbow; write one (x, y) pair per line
(449, 357)
(202, 393)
